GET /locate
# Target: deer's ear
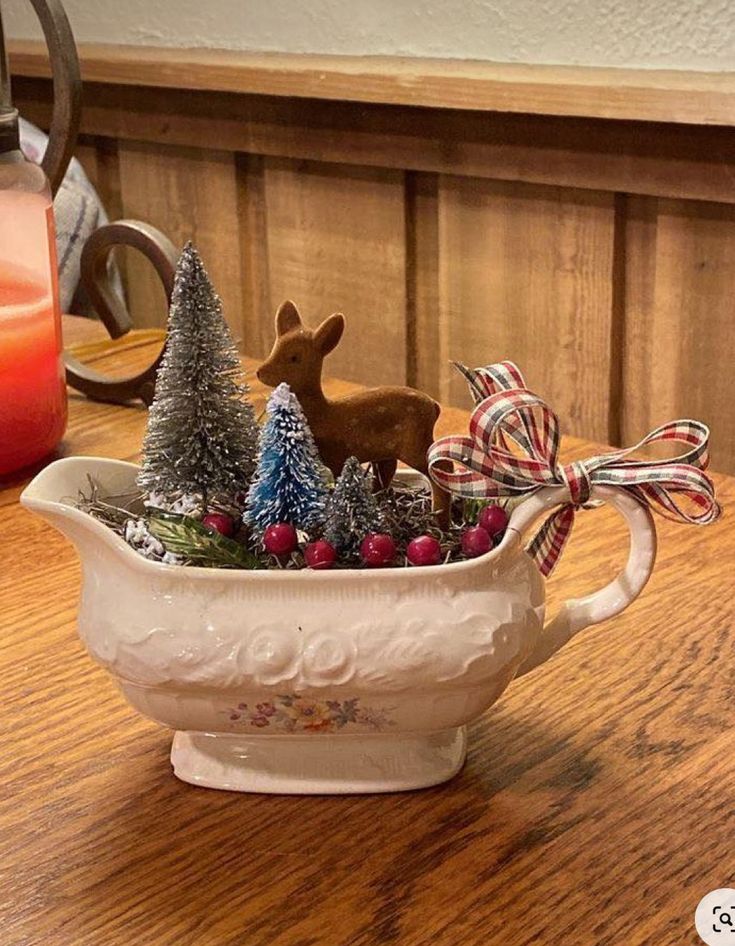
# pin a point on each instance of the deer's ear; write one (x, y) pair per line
(328, 334)
(287, 318)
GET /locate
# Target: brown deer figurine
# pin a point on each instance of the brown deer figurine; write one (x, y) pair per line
(379, 426)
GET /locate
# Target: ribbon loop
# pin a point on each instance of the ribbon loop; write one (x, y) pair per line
(513, 448)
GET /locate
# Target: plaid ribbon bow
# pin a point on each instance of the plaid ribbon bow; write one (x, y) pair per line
(484, 465)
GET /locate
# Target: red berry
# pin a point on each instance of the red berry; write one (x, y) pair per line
(320, 554)
(377, 549)
(476, 541)
(424, 550)
(220, 522)
(280, 539)
(493, 519)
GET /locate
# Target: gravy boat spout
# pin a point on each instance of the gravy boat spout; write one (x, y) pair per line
(54, 493)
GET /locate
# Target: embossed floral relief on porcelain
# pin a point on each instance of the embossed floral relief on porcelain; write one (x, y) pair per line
(416, 643)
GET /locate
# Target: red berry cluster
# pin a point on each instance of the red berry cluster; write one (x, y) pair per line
(491, 525)
(377, 549)
(281, 539)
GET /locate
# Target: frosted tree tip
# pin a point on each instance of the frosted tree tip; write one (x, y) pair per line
(189, 259)
(281, 397)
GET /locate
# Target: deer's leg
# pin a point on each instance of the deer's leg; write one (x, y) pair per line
(332, 456)
(384, 471)
(441, 501)
(441, 505)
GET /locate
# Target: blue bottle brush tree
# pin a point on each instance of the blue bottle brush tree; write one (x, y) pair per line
(289, 483)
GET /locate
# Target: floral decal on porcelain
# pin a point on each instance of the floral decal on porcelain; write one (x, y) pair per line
(290, 713)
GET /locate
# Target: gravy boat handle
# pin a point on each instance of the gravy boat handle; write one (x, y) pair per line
(577, 614)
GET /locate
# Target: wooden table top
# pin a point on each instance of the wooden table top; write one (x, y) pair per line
(595, 806)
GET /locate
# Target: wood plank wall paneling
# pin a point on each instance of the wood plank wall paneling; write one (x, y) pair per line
(190, 194)
(526, 274)
(597, 254)
(426, 366)
(336, 241)
(679, 353)
(622, 156)
(253, 236)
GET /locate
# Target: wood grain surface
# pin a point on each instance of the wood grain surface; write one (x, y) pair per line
(523, 268)
(679, 256)
(646, 94)
(635, 157)
(334, 242)
(202, 197)
(595, 807)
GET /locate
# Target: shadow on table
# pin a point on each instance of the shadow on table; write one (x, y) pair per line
(283, 868)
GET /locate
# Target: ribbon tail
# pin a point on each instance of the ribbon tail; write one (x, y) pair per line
(548, 543)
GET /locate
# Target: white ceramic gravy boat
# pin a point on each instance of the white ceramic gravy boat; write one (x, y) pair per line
(315, 682)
